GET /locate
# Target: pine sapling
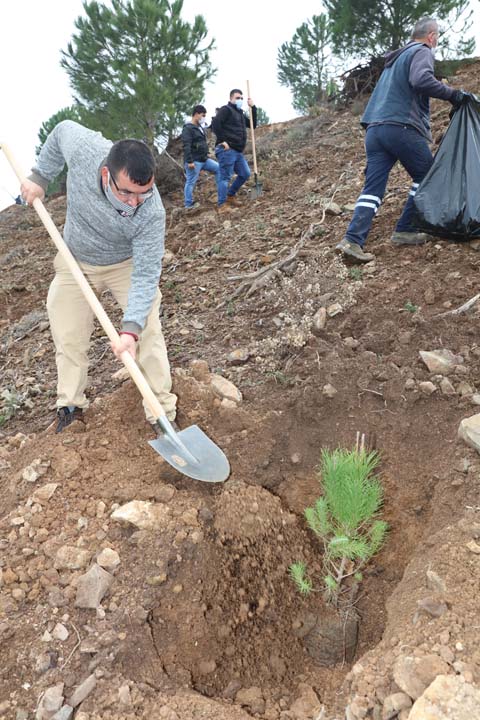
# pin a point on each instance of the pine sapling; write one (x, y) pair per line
(345, 518)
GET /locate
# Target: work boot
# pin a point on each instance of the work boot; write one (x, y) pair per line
(233, 201)
(66, 417)
(224, 209)
(410, 238)
(158, 428)
(195, 206)
(353, 251)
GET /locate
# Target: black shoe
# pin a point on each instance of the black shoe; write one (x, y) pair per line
(66, 417)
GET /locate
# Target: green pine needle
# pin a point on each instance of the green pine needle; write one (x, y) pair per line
(298, 574)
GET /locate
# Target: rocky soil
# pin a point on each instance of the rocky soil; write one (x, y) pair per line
(128, 590)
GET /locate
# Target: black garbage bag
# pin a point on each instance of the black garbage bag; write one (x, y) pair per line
(447, 201)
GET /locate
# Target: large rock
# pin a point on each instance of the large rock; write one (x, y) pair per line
(469, 431)
(307, 706)
(142, 515)
(413, 674)
(448, 697)
(440, 361)
(251, 698)
(223, 388)
(92, 587)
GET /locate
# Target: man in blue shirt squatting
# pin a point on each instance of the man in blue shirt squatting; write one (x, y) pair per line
(397, 120)
(115, 229)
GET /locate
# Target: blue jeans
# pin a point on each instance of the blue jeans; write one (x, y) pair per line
(385, 144)
(192, 177)
(230, 161)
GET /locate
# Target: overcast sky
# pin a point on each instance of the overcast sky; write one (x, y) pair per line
(34, 86)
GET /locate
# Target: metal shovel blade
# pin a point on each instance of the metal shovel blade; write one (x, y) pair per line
(256, 191)
(192, 453)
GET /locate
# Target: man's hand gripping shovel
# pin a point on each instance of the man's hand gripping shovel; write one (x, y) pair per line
(189, 451)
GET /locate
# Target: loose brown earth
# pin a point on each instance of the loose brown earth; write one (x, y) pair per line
(202, 619)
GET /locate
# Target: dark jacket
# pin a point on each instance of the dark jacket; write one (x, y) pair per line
(230, 125)
(402, 93)
(195, 145)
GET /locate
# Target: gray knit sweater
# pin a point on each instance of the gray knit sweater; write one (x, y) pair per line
(94, 231)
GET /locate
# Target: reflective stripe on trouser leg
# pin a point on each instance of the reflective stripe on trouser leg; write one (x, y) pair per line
(366, 208)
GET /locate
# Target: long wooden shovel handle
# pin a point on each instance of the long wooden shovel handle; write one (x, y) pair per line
(252, 129)
(135, 373)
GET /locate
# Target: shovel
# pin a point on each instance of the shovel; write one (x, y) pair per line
(257, 191)
(189, 451)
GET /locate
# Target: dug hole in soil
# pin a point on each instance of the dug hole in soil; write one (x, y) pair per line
(198, 616)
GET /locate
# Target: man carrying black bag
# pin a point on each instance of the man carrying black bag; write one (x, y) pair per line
(397, 120)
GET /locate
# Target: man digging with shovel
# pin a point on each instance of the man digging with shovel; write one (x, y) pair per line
(115, 228)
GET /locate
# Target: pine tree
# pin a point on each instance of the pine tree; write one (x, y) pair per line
(68, 113)
(136, 67)
(304, 63)
(262, 117)
(366, 28)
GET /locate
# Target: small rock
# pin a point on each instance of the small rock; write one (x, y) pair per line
(51, 702)
(319, 320)
(121, 375)
(108, 559)
(429, 296)
(71, 558)
(307, 706)
(469, 431)
(82, 691)
(200, 370)
(295, 458)
(142, 515)
(351, 343)
(464, 389)
(395, 703)
(334, 309)
(223, 388)
(333, 209)
(427, 388)
(124, 696)
(35, 470)
(44, 493)
(60, 632)
(92, 587)
(475, 399)
(446, 387)
(329, 391)
(207, 667)
(473, 547)
(440, 361)
(239, 356)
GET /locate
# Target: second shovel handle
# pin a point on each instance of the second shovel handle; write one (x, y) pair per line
(252, 129)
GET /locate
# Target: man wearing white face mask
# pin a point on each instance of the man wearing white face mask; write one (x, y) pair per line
(397, 120)
(229, 126)
(115, 228)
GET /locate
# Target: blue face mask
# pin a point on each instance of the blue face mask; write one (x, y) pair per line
(239, 104)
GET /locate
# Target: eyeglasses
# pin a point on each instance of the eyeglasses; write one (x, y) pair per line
(127, 194)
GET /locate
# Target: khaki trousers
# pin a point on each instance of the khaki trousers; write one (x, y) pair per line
(71, 323)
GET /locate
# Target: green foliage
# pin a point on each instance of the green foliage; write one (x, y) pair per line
(355, 273)
(304, 63)
(364, 28)
(135, 66)
(298, 574)
(410, 307)
(345, 518)
(262, 117)
(11, 401)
